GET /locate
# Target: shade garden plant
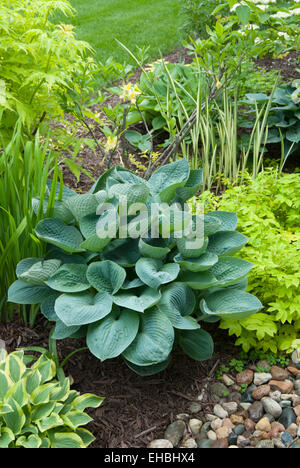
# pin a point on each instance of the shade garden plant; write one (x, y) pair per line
(137, 297)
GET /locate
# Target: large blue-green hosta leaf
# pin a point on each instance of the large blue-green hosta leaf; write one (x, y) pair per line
(48, 307)
(167, 179)
(82, 308)
(193, 184)
(230, 303)
(197, 344)
(154, 273)
(69, 278)
(145, 371)
(227, 219)
(125, 252)
(106, 276)
(178, 301)
(191, 247)
(230, 270)
(61, 331)
(154, 341)
(87, 204)
(112, 335)
(26, 293)
(199, 281)
(138, 300)
(55, 232)
(202, 263)
(155, 248)
(37, 272)
(226, 242)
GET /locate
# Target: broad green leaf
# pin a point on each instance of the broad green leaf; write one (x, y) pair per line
(178, 301)
(86, 401)
(227, 219)
(193, 184)
(197, 344)
(146, 371)
(134, 193)
(42, 411)
(85, 436)
(16, 419)
(135, 283)
(61, 330)
(95, 243)
(25, 293)
(139, 300)
(31, 442)
(55, 232)
(70, 278)
(112, 335)
(106, 276)
(48, 307)
(124, 252)
(167, 179)
(230, 303)
(154, 341)
(61, 393)
(18, 393)
(5, 382)
(230, 270)
(67, 440)
(41, 395)
(82, 308)
(202, 263)
(155, 248)
(14, 367)
(212, 224)
(154, 273)
(226, 243)
(191, 247)
(86, 204)
(243, 12)
(198, 281)
(6, 437)
(40, 272)
(50, 422)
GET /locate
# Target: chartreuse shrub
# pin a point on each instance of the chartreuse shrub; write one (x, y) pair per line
(268, 212)
(137, 296)
(38, 411)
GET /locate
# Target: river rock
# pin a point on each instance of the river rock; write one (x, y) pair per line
(245, 377)
(287, 417)
(285, 386)
(160, 443)
(271, 407)
(261, 392)
(263, 425)
(278, 373)
(220, 412)
(256, 411)
(195, 426)
(231, 407)
(261, 378)
(175, 431)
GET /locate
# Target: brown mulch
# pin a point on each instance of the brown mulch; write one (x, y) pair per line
(136, 409)
(287, 65)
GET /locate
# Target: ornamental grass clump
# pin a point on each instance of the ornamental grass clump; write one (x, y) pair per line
(38, 411)
(140, 287)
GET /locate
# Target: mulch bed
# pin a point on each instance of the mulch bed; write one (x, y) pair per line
(136, 409)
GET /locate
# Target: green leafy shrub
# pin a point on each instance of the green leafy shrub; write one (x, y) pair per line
(284, 118)
(198, 14)
(268, 213)
(38, 411)
(137, 296)
(39, 59)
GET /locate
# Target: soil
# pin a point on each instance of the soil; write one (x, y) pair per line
(136, 410)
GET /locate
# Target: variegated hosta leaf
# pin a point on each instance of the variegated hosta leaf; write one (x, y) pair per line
(6, 437)
(230, 303)
(82, 308)
(112, 335)
(106, 276)
(226, 243)
(154, 273)
(55, 232)
(177, 302)
(69, 278)
(138, 300)
(154, 341)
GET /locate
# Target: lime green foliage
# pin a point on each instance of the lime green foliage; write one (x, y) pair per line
(135, 290)
(38, 60)
(268, 212)
(38, 411)
(141, 23)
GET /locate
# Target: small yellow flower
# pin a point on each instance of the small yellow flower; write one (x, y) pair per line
(218, 83)
(130, 92)
(111, 143)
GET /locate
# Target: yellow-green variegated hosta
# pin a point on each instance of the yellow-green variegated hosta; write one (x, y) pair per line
(38, 411)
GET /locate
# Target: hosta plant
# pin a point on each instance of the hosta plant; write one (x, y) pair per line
(36, 409)
(137, 295)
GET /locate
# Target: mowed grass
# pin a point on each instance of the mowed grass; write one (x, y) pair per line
(153, 23)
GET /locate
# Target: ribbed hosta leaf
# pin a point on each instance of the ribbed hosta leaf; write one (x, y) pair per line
(178, 301)
(138, 300)
(230, 270)
(26, 293)
(202, 263)
(227, 219)
(155, 248)
(60, 210)
(230, 303)
(69, 278)
(191, 248)
(197, 344)
(137, 193)
(145, 371)
(167, 179)
(84, 205)
(106, 276)
(193, 184)
(154, 340)
(82, 308)
(38, 272)
(135, 283)
(57, 233)
(154, 273)
(226, 242)
(125, 252)
(112, 335)
(199, 281)
(48, 307)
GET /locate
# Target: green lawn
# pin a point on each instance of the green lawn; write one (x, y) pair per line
(133, 22)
